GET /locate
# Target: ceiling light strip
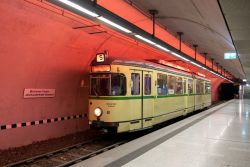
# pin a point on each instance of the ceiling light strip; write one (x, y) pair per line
(196, 64)
(90, 13)
(179, 56)
(145, 39)
(162, 48)
(114, 24)
(73, 5)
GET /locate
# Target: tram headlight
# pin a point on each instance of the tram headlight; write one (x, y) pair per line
(98, 112)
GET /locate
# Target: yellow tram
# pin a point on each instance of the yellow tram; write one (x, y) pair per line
(129, 95)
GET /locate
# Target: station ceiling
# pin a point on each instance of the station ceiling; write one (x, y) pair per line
(237, 14)
(203, 23)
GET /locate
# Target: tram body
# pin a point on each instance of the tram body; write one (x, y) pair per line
(127, 96)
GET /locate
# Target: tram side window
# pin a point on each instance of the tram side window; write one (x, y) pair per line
(135, 89)
(179, 88)
(185, 86)
(171, 84)
(147, 84)
(202, 87)
(190, 86)
(118, 84)
(162, 87)
(207, 88)
(199, 87)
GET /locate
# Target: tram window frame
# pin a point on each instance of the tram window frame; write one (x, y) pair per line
(190, 89)
(207, 84)
(162, 86)
(199, 87)
(185, 86)
(100, 79)
(179, 85)
(171, 81)
(99, 89)
(120, 90)
(147, 84)
(202, 87)
(138, 91)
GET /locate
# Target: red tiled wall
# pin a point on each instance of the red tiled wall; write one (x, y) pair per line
(41, 49)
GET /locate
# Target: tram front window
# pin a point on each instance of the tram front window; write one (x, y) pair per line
(108, 84)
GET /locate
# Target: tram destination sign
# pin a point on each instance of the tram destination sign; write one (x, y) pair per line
(38, 93)
(100, 57)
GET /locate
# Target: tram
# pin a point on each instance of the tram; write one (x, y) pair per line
(129, 95)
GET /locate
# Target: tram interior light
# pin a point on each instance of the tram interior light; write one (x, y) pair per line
(114, 24)
(73, 5)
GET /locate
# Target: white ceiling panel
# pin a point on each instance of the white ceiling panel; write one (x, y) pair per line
(237, 14)
(202, 23)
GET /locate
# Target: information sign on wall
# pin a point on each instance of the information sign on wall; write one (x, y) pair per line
(37, 93)
(231, 55)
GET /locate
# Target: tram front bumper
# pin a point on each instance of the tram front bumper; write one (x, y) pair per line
(101, 124)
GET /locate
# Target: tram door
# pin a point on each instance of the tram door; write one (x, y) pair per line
(142, 103)
(148, 99)
(136, 102)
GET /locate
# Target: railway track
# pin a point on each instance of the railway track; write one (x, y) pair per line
(76, 153)
(70, 155)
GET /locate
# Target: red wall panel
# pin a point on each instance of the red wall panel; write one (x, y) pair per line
(41, 49)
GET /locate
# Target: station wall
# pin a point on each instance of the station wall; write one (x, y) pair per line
(41, 49)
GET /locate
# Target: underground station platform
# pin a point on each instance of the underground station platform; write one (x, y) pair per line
(215, 137)
(124, 83)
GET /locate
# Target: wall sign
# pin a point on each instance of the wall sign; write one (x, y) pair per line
(231, 55)
(36, 93)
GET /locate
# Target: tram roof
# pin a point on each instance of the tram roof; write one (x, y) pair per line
(150, 65)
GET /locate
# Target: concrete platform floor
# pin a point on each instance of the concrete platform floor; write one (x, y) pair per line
(218, 137)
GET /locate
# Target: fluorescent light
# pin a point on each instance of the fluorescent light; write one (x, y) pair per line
(73, 5)
(199, 66)
(175, 54)
(244, 80)
(179, 56)
(184, 58)
(145, 39)
(196, 64)
(162, 48)
(220, 76)
(114, 24)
